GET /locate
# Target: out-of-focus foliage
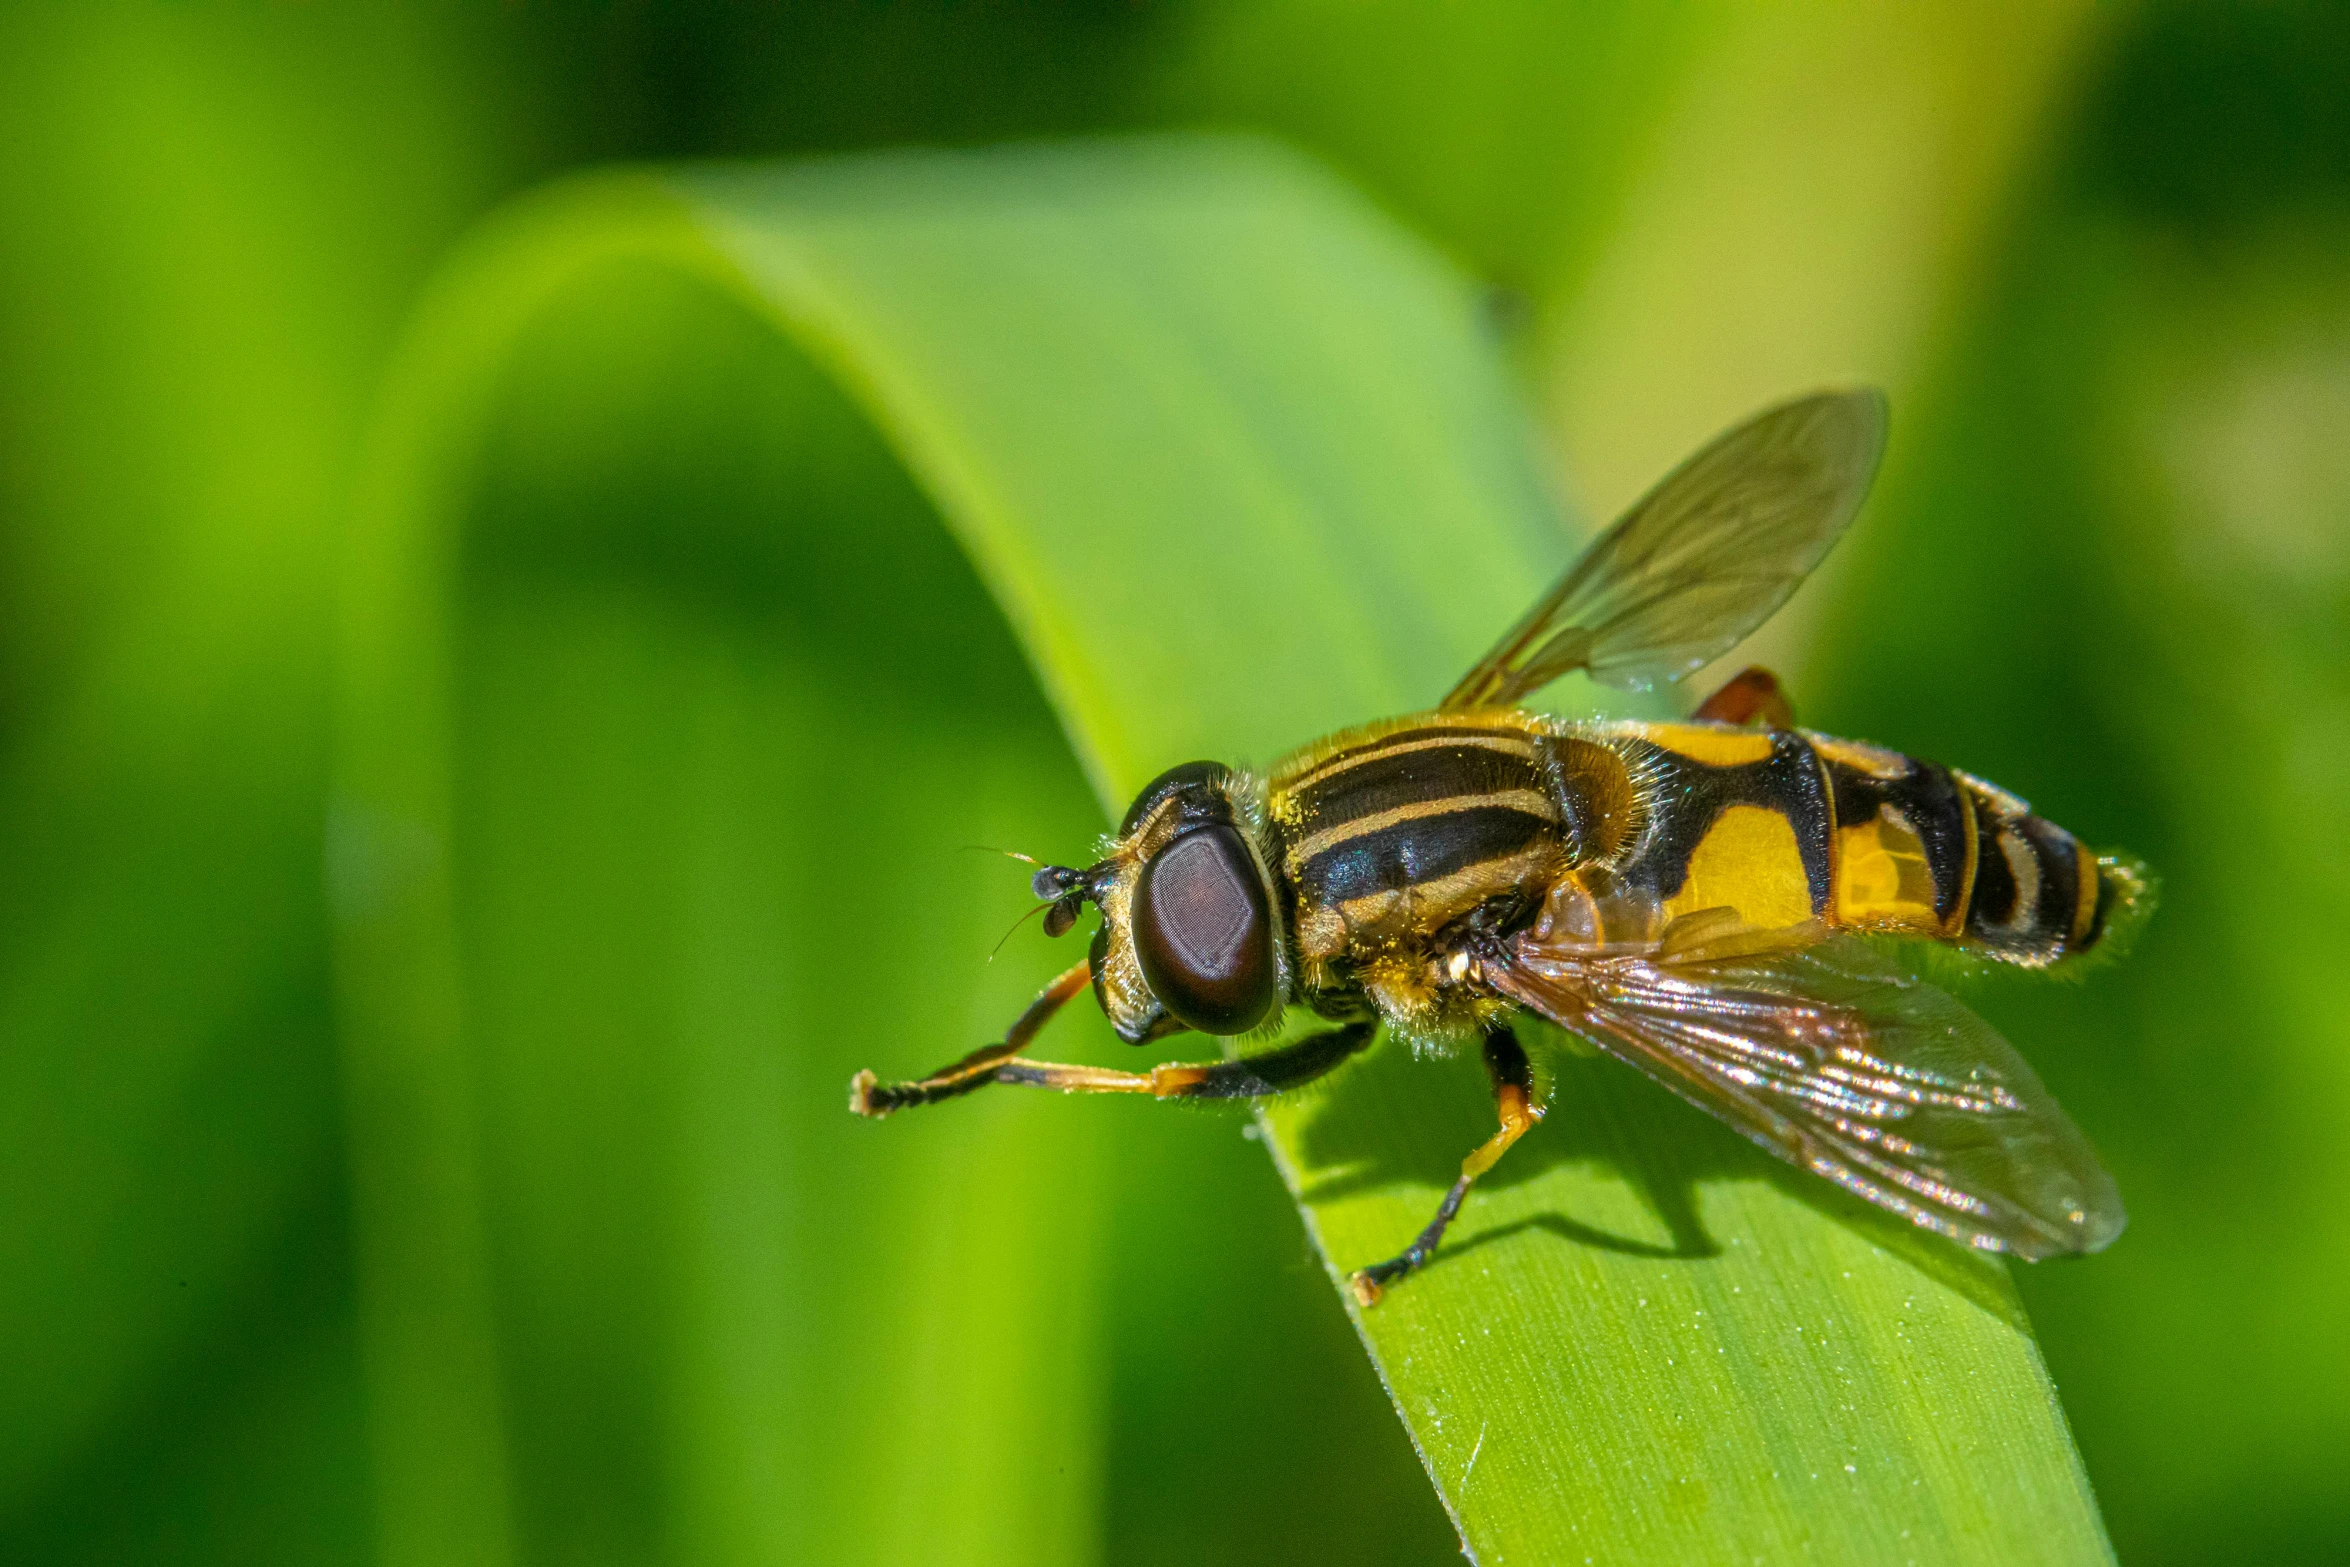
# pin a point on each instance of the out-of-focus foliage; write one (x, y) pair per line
(2106, 569)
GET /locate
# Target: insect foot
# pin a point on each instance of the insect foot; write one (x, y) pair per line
(862, 1099)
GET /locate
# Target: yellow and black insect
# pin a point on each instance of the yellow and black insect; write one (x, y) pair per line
(1689, 897)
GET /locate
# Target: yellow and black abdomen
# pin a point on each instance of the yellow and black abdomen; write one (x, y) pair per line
(1787, 826)
(1923, 849)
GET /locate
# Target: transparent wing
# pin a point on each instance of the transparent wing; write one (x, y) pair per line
(1702, 559)
(1838, 1062)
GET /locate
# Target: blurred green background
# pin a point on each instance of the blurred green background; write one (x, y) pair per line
(2101, 258)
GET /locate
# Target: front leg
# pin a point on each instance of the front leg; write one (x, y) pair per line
(1249, 1077)
(869, 1096)
(1276, 1071)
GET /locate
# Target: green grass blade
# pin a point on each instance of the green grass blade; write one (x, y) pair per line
(1230, 455)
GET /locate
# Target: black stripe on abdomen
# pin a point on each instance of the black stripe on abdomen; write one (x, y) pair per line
(1689, 796)
(1422, 849)
(1924, 797)
(2061, 860)
(1992, 904)
(2027, 895)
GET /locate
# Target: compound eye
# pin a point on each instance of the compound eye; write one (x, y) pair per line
(1203, 933)
(1199, 780)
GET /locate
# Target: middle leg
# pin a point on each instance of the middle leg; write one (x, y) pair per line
(1513, 1100)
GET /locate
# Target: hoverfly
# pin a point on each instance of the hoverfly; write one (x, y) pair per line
(1690, 897)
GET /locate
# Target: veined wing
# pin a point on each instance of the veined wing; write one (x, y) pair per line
(1702, 559)
(1837, 1061)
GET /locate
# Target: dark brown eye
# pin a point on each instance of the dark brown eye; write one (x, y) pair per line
(1203, 933)
(1199, 784)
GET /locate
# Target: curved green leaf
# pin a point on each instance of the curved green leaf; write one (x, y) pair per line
(647, 815)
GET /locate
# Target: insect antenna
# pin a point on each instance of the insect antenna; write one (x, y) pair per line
(989, 848)
(1063, 888)
(1016, 924)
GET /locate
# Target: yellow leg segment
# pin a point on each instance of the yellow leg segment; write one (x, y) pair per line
(1276, 1071)
(1513, 1100)
(1518, 1115)
(1250, 1077)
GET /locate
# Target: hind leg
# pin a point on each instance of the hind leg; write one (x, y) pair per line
(1754, 693)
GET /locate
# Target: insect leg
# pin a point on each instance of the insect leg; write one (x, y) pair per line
(1513, 1098)
(1250, 1077)
(868, 1096)
(1754, 692)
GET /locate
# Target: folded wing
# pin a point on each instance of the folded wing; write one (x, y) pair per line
(1837, 1061)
